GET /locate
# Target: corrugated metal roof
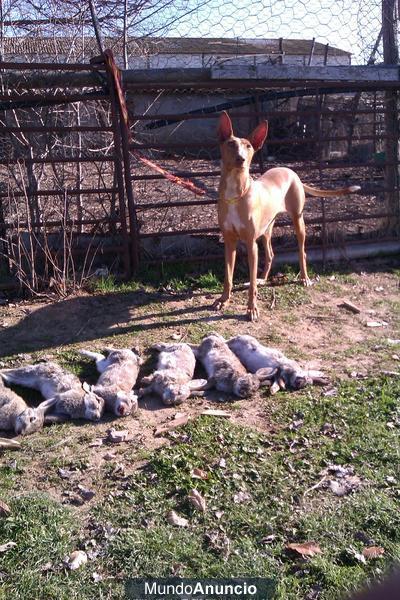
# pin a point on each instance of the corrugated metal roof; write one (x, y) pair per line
(23, 46)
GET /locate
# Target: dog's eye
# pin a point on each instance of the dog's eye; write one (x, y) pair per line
(248, 146)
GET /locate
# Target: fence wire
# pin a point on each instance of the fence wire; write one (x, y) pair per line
(137, 29)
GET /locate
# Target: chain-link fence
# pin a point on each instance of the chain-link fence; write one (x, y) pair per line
(68, 171)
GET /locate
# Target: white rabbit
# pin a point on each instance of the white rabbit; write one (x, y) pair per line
(225, 371)
(255, 356)
(173, 379)
(119, 372)
(72, 399)
(17, 416)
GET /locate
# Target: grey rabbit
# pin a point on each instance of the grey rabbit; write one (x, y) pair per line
(255, 356)
(17, 416)
(71, 398)
(173, 380)
(119, 372)
(225, 371)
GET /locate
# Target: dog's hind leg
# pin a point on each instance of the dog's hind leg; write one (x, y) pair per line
(300, 229)
(269, 254)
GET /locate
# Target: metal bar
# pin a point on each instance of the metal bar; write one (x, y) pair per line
(48, 66)
(120, 105)
(236, 114)
(120, 175)
(279, 223)
(69, 223)
(56, 98)
(272, 142)
(353, 249)
(183, 232)
(151, 205)
(262, 84)
(54, 128)
(70, 192)
(61, 159)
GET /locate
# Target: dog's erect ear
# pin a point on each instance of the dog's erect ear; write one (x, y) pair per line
(257, 137)
(225, 130)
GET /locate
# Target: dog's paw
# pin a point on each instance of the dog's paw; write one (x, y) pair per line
(252, 313)
(307, 282)
(220, 303)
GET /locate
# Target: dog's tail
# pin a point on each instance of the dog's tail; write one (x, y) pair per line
(337, 192)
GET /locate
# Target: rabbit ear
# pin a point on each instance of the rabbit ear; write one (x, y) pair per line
(198, 384)
(147, 380)
(194, 348)
(44, 406)
(159, 347)
(266, 373)
(86, 387)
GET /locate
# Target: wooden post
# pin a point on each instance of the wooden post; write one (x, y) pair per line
(392, 148)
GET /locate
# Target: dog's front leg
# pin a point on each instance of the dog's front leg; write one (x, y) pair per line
(252, 253)
(230, 257)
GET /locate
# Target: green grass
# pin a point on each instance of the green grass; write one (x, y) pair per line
(179, 277)
(275, 469)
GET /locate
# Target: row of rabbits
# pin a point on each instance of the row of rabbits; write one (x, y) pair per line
(237, 367)
(66, 396)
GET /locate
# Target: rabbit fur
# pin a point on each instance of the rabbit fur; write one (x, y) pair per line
(118, 374)
(72, 399)
(173, 380)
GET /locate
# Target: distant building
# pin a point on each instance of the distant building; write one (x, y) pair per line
(171, 52)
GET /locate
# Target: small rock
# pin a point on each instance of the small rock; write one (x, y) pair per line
(85, 492)
(77, 559)
(118, 436)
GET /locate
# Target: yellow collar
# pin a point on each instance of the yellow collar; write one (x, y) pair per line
(231, 201)
(235, 200)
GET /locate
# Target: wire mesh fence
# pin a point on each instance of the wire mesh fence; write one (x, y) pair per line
(140, 32)
(67, 174)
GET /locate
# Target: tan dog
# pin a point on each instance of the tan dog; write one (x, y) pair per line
(247, 208)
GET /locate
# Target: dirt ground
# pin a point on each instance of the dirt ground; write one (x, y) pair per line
(307, 324)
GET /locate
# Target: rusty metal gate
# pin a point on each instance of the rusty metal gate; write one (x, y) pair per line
(109, 177)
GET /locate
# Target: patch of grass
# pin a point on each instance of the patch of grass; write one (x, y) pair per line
(45, 533)
(209, 281)
(277, 473)
(275, 470)
(285, 296)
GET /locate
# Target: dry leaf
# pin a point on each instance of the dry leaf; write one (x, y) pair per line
(305, 549)
(117, 436)
(241, 497)
(213, 412)
(376, 324)
(350, 307)
(275, 387)
(97, 442)
(373, 552)
(7, 444)
(199, 474)
(171, 425)
(7, 546)
(197, 500)
(77, 559)
(85, 492)
(337, 488)
(5, 510)
(174, 519)
(65, 473)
